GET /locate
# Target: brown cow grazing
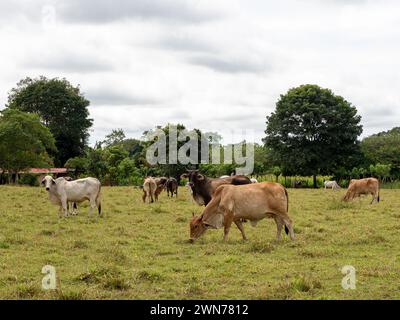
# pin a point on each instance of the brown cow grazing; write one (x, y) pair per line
(160, 186)
(204, 187)
(149, 189)
(251, 202)
(363, 186)
(172, 187)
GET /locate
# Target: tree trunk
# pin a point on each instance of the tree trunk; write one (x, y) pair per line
(315, 181)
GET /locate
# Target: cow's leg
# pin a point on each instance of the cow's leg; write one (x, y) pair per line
(227, 225)
(92, 206)
(279, 224)
(288, 223)
(240, 227)
(60, 211)
(74, 208)
(144, 196)
(374, 198)
(64, 204)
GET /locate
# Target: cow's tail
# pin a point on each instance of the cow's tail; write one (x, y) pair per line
(287, 209)
(98, 201)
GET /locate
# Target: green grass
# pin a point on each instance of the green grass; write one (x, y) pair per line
(141, 251)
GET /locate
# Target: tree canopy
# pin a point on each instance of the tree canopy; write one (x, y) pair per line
(313, 131)
(24, 141)
(384, 148)
(61, 107)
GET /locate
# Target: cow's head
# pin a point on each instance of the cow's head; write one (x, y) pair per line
(193, 176)
(197, 227)
(48, 181)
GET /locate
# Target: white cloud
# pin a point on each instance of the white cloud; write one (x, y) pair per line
(214, 65)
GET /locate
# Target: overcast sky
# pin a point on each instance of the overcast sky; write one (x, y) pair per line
(213, 65)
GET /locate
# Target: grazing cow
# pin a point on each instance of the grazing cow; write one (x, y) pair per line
(149, 189)
(62, 191)
(160, 186)
(251, 202)
(331, 185)
(204, 187)
(363, 186)
(253, 180)
(172, 187)
(298, 183)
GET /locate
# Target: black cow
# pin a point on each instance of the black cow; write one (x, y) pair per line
(172, 187)
(204, 187)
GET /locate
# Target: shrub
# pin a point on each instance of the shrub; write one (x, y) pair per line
(29, 179)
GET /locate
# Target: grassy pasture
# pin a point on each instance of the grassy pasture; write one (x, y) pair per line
(140, 251)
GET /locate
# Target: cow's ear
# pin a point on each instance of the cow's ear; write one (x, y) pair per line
(43, 181)
(200, 176)
(184, 176)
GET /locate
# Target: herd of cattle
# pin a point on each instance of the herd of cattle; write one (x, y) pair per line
(226, 199)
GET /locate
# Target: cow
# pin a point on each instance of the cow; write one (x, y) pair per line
(74, 205)
(62, 191)
(331, 185)
(160, 182)
(149, 189)
(298, 183)
(204, 187)
(252, 202)
(172, 187)
(363, 186)
(253, 180)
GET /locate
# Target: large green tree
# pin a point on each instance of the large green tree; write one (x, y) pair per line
(171, 169)
(384, 148)
(23, 141)
(313, 131)
(61, 107)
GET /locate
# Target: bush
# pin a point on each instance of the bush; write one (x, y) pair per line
(29, 179)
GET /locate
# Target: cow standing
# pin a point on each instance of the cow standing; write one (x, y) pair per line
(62, 191)
(331, 185)
(363, 186)
(204, 187)
(149, 189)
(252, 202)
(172, 187)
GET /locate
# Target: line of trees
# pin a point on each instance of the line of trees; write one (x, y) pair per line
(311, 132)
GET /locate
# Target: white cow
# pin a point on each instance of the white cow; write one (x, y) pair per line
(253, 180)
(331, 185)
(62, 191)
(72, 204)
